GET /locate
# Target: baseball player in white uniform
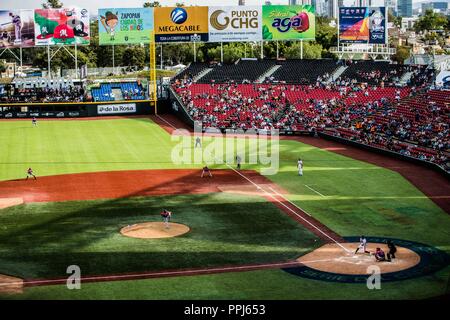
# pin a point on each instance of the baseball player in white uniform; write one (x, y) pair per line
(300, 167)
(362, 245)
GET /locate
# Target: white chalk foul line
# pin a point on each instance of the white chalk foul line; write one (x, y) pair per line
(279, 194)
(281, 203)
(314, 191)
(166, 121)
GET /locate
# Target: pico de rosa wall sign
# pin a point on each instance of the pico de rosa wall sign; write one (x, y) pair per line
(235, 24)
(116, 108)
(181, 24)
(124, 25)
(282, 22)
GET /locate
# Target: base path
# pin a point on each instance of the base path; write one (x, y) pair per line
(10, 285)
(10, 202)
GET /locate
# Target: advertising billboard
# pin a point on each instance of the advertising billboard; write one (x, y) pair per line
(124, 25)
(231, 24)
(116, 108)
(354, 24)
(289, 22)
(181, 24)
(16, 28)
(68, 26)
(377, 25)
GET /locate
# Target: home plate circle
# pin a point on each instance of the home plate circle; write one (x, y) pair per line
(154, 230)
(333, 258)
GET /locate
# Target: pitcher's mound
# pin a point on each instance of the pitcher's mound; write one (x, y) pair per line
(154, 230)
(333, 258)
(10, 202)
(10, 285)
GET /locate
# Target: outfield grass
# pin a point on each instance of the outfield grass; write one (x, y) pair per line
(356, 198)
(40, 240)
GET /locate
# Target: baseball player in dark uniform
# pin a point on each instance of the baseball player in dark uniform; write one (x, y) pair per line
(30, 174)
(206, 171)
(392, 250)
(166, 214)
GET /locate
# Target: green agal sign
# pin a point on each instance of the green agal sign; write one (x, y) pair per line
(288, 22)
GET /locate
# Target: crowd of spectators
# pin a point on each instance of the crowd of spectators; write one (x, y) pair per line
(367, 114)
(46, 94)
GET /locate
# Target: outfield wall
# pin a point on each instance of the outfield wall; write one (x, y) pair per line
(73, 110)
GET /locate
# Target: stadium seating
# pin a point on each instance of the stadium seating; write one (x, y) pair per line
(304, 71)
(374, 72)
(249, 70)
(192, 70)
(129, 90)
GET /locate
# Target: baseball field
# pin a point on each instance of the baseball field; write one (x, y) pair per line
(245, 232)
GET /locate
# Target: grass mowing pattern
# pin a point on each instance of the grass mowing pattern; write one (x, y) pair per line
(40, 240)
(360, 198)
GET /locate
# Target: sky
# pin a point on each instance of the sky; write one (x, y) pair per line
(93, 5)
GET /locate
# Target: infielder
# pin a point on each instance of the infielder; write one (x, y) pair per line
(362, 245)
(300, 167)
(206, 171)
(30, 174)
(166, 214)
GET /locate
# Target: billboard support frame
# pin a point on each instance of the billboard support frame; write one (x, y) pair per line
(49, 59)
(262, 49)
(51, 55)
(277, 51)
(195, 53)
(301, 49)
(14, 55)
(113, 59)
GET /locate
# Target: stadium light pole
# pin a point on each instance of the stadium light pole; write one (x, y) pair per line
(221, 52)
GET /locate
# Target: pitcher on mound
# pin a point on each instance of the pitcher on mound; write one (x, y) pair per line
(166, 214)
